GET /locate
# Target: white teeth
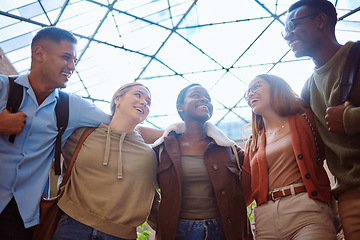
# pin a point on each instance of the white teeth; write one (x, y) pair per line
(294, 42)
(66, 74)
(254, 100)
(139, 109)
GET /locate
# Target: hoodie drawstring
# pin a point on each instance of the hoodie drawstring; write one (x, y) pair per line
(119, 157)
(107, 151)
(107, 147)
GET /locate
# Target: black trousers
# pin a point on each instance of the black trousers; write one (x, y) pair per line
(11, 224)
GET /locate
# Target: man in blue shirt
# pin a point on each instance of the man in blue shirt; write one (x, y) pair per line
(25, 164)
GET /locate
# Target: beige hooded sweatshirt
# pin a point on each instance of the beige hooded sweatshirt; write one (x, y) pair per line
(113, 181)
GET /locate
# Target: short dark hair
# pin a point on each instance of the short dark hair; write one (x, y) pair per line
(319, 6)
(181, 97)
(55, 34)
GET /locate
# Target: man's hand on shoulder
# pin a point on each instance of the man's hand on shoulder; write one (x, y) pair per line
(11, 123)
(334, 118)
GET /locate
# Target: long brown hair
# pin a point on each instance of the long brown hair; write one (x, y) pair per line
(284, 102)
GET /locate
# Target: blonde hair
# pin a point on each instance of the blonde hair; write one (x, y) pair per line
(121, 92)
(284, 102)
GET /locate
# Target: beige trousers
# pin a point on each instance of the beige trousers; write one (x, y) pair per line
(349, 211)
(294, 218)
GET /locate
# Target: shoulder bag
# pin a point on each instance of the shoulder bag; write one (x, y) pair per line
(50, 213)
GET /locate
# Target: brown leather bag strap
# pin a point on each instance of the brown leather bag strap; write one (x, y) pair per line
(85, 134)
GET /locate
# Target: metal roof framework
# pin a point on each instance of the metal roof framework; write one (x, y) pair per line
(168, 44)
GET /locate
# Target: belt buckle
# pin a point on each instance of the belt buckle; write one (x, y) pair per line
(275, 191)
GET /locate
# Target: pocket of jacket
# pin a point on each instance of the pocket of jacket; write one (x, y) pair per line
(234, 170)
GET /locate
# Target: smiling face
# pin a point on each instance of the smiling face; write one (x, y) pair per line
(259, 98)
(306, 36)
(197, 105)
(57, 61)
(134, 104)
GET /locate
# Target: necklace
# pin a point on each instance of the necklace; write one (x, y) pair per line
(278, 130)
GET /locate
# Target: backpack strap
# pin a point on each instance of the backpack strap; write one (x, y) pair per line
(83, 137)
(62, 118)
(61, 109)
(14, 99)
(350, 70)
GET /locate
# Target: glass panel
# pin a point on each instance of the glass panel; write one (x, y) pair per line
(220, 44)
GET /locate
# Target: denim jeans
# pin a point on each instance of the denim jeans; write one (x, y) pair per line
(210, 229)
(70, 229)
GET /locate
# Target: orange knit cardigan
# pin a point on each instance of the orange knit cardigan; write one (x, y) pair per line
(255, 171)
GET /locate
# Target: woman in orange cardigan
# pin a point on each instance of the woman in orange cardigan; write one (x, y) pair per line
(283, 165)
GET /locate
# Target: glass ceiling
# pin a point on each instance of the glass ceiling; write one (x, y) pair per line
(168, 44)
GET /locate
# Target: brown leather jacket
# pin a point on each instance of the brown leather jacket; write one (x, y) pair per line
(224, 174)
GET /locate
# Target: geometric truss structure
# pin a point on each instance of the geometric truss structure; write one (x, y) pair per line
(167, 44)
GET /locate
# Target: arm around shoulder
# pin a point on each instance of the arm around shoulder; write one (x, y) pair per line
(86, 114)
(150, 135)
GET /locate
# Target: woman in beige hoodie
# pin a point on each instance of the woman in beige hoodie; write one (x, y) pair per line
(113, 181)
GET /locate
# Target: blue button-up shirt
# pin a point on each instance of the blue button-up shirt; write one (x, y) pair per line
(25, 164)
